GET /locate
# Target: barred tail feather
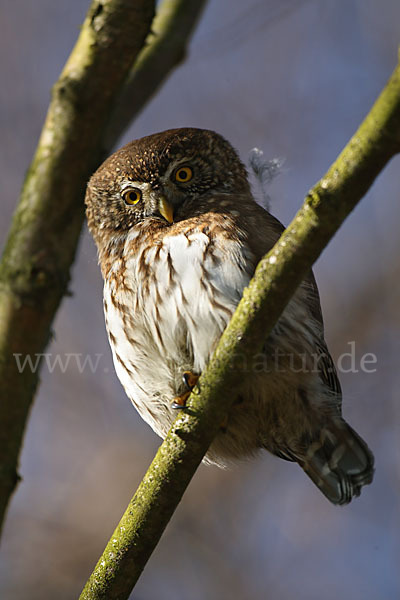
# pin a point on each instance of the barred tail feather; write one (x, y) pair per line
(339, 462)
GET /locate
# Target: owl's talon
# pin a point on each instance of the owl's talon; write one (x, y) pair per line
(176, 406)
(180, 401)
(189, 379)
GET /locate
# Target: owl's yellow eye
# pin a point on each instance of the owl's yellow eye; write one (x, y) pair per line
(132, 196)
(183, 174)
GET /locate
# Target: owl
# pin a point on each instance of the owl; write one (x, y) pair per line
(179, 235)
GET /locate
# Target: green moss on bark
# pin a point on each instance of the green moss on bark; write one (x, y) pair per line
(34, 272)
(41, 246)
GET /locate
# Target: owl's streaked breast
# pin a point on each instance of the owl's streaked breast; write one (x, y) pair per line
(172, 322)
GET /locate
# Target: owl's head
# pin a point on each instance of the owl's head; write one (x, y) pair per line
(167, 176)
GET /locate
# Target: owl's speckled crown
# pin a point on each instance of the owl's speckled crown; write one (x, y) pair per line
(152, 154)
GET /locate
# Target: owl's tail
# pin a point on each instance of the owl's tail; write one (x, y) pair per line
(339, 462)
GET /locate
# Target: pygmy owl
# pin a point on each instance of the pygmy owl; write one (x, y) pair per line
(179, 235)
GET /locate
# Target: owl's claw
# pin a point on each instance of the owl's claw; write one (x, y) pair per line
(180, 401)
(190, 380)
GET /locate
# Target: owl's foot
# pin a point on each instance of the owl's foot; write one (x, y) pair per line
(190, 380)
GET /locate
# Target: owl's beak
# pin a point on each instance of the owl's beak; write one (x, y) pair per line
(166, 209)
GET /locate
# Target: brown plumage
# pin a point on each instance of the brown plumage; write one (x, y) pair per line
(179, 236)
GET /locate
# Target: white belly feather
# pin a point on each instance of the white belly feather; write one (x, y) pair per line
(174, 324)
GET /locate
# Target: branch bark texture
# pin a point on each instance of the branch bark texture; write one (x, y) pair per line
(41, 246)
(276, 278)
(164, 49)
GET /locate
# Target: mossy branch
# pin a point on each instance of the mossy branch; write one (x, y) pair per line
(164, 49)
(41, 245)
(276, 279)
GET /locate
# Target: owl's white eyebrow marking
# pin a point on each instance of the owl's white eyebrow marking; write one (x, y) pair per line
(142, 185)
(174, 165)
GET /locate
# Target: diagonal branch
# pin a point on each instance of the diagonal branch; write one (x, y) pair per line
(41, 246)
(276, 279)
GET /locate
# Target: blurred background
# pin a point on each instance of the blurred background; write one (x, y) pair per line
(294, 78)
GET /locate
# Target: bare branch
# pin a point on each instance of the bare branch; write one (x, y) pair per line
(276, 279)
(164, 49)
(34, 272)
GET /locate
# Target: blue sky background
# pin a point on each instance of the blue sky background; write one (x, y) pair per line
(294, 78)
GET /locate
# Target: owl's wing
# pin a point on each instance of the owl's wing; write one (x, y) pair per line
(272, 231)
(327, 369)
